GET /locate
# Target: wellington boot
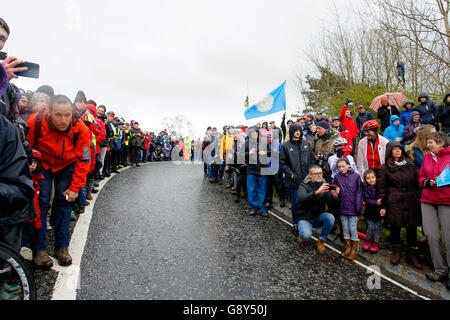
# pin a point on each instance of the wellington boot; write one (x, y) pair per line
(348, 248)
(355, 249)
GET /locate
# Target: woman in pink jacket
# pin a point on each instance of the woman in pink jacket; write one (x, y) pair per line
(435, 203)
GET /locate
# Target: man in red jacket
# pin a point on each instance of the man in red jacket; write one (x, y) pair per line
(64, 142)
(349, 124)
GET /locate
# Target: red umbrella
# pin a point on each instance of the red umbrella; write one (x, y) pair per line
(395, 99)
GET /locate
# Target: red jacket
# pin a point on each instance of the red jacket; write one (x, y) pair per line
(58, 149)
(431, 170)
(99, 130)
(349, 123)
(37, 223)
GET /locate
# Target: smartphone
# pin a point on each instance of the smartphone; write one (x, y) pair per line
(3, 55)
(32, 72)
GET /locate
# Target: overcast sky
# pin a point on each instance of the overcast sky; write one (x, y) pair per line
(147, 60)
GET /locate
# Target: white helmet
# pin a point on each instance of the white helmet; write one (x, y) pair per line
(339, 141)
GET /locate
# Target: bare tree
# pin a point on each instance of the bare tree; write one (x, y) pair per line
(178, 126)
(423, 25)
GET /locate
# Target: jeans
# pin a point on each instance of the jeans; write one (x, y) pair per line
(256, 192)
(374, 228)
(82, 196)
(294, 202)
(213, 171)
(61, 208)
(325, 220)
(349, 227)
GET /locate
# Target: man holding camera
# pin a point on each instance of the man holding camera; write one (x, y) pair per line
(313, 196)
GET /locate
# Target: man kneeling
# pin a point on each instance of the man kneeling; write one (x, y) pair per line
(313, 194)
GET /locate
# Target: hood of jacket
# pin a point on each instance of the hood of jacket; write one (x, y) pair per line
(445, 98)
(423, 95)
(393, 118)
(406, 102)
(92, 109)
(391, 146)
(413, 114)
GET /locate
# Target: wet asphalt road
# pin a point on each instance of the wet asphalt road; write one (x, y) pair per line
(163, 231)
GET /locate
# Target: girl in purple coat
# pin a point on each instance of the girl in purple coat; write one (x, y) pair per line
(372, 211)
(350, 206)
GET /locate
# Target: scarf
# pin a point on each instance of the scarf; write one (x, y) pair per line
(402, 163)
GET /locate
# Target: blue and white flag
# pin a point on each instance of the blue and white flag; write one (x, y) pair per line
(273, 102)
(444, 178)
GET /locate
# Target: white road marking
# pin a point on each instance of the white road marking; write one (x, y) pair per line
(362, 264)
(68, 280)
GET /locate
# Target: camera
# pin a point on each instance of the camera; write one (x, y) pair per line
(321, 160)
(332, 187)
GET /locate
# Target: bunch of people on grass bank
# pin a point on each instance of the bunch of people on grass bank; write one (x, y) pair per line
(311, 161)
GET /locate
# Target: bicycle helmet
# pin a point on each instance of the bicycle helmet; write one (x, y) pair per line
(370, 125)
(339, 141)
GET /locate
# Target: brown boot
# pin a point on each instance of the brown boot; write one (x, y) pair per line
(348, 248)
(89, 189)
(354, 250)
(42, 260)
(396, 253)
(64, 259)
(411, 258)
(321, 246)
(301, 240)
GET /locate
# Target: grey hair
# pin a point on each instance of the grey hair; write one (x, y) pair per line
(39, 97)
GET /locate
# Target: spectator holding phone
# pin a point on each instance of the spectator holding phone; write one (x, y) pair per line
(64, 142)
(313, 196)
(350, 205)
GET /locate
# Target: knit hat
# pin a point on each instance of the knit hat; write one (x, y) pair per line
(80, 97)
(47, 90)
(324, 125)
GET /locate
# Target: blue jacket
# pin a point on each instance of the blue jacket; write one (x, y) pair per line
(405, 117)
(394, 131)
(366, 116)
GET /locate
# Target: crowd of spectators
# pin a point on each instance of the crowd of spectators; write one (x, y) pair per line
(311, 162)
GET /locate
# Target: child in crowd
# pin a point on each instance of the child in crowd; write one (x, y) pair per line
(372, 212)
(342, 150)
(31, 226)
(350, 205)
